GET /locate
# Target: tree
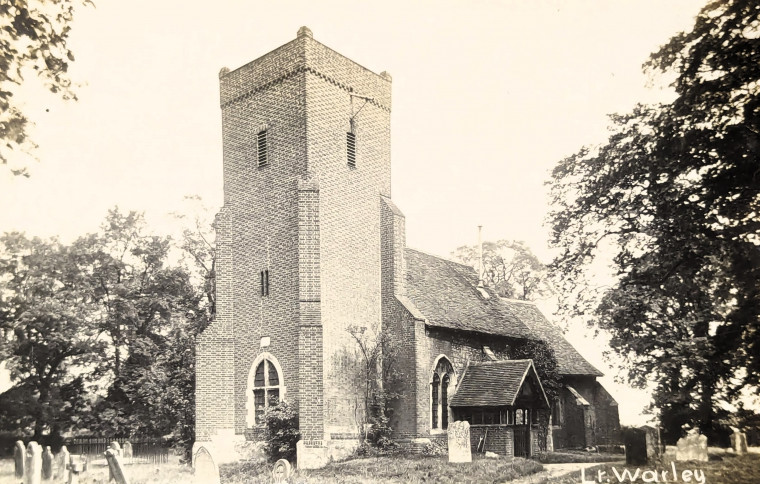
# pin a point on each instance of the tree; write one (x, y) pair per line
(674, 194)
(509, 267)
(48, 331)
(152, 313)
(33, 36)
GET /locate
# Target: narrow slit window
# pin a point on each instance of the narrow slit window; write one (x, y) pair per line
(261, 147)
(351, 149)
(264, 276)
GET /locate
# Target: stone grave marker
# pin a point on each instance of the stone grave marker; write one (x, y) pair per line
(635, 440)
(33, 467)
(115, 467)
(115, 447)
(739, 442)
(127, 450)
(206, 471)
(62, 465)
(19, 459)
(77, 465)
(459, 442)
(692, 447)
(281, 470)
(47, 464)
(654, 447)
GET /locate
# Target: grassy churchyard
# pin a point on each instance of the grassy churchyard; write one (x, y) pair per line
(723, 468)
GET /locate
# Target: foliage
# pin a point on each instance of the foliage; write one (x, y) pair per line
(674, 194)
(509, 267)
(100, 334)
(33, 36)
(48, 328)
(198, 243)
(545, 362)
(376, 379)
(282, 435)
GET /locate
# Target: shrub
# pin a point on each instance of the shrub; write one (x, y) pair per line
(281, 432)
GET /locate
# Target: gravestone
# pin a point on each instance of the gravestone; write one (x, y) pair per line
(459, 442)
(205, 467)
(281, 470)
(115, 447)
(739, 442)
(635, 440)
(47, 464)
(19, 459)
(127, 450)
(33, 467)
(692, 447)
(62, 465)
(77, 465)
(115, 467)
(654, 447)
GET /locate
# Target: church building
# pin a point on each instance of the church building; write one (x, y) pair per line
(312, 264)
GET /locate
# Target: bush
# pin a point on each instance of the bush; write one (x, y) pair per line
(379, 433)
(281, 434)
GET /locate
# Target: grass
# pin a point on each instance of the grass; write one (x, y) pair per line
(721, 470)
(577, 457)
(138, 473)
(396, 469)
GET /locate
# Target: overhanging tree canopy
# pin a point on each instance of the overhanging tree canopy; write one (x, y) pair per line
(675, 193)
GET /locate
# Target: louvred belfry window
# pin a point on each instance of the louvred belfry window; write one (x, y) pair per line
(351, 149)
(261, 147)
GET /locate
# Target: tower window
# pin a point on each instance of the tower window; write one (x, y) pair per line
(261, 147)
(351, 149)
(264, 282)
(267, 389)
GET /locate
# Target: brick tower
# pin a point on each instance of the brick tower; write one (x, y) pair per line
(306, 137)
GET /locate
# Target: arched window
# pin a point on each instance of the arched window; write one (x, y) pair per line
(439, 393)
(265, 387)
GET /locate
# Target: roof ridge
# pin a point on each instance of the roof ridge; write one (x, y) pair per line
(444, 259)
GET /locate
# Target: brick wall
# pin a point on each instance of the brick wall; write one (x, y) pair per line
(308, 218)
(498, 440)
(460, 348)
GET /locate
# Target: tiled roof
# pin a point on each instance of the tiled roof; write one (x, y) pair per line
(569, 361)
(445, 294)
(492, 383)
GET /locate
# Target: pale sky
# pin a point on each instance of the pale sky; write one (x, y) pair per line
(487, 97)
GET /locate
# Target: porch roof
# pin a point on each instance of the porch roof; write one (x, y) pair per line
(496, 384)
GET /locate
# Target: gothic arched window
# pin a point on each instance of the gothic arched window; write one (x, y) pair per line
(266, 388)
(439, 394)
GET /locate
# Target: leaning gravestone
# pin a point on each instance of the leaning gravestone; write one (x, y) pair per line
(205, 467)
(127, 450)
(47, 464)
(62, 465)
(281, 470)
(33, 467)
(459, 442)
(115, 467)
(739, 442)
(115, 447)
(19, 458)
(692, 447)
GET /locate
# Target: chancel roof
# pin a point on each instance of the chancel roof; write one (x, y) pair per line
(445, 294)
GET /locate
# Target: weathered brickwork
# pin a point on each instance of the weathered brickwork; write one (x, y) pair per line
(498, 439)
(307, 218)
(333, 245)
